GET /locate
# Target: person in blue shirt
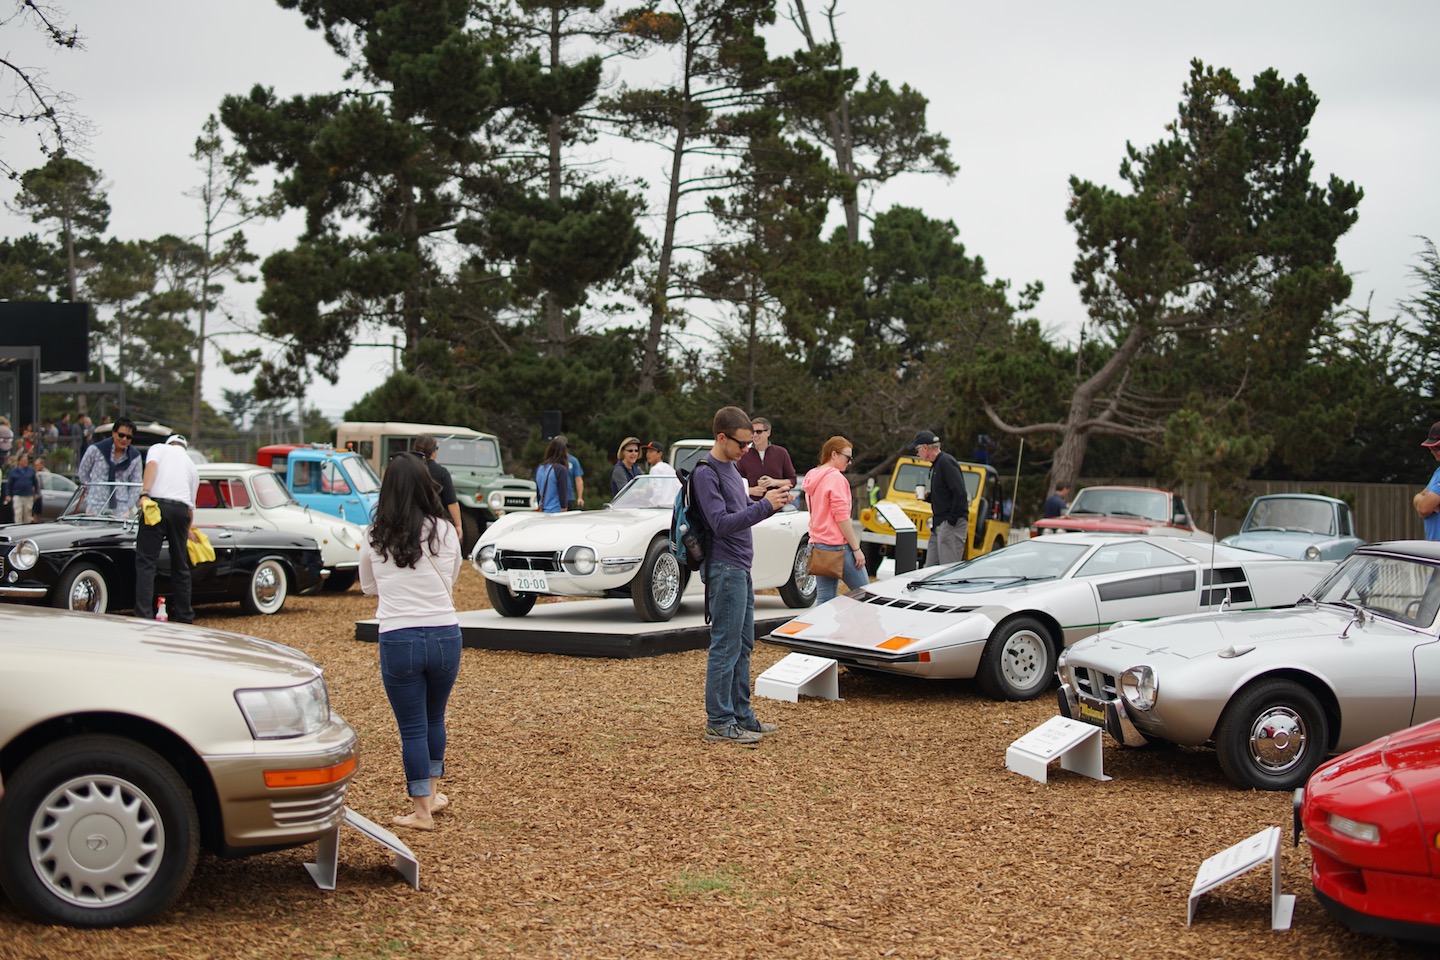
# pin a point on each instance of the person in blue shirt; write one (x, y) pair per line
(552, 478)
(21, 488)
(1427, 501)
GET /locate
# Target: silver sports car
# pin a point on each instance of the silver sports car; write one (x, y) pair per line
(1003, 618)
(1275, 691)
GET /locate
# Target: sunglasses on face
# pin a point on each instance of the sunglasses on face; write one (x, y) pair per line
(632, 449)
(124, 436)
(847, 457)
(743, 444)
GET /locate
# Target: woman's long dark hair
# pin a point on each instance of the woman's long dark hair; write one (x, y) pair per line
(557, 453)
(408, 496)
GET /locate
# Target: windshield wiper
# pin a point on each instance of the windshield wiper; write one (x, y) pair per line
(1000, 578)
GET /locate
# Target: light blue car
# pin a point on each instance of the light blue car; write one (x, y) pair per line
(1302, 526)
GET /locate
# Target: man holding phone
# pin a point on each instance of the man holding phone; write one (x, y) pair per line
(766, 466)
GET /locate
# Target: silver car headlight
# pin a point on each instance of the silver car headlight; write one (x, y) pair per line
(1312, 552)
(25, 555)
(1139, 688)
(484, 558)
(277, 713)
(580, 561)
(496, 501)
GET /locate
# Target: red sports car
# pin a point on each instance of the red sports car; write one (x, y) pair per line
(1372, 817)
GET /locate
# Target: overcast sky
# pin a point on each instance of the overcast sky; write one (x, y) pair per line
(1028, 94)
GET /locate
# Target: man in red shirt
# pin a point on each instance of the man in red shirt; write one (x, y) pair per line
(765, 465)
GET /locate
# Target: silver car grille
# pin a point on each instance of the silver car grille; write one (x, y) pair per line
(547, 561)
(898, 603)
(317, 810)
(1096, 684)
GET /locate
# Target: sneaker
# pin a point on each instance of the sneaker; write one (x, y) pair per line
(731, 734)
(760, 727)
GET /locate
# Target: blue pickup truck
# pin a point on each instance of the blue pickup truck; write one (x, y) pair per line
(331, 481)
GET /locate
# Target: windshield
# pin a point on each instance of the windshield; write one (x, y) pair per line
(647, 492)
(270, 490)
(1295, 516)
(103, 500)
(1150, 504)
(1394, 587)
(362, 476)
(1037, 559)
(468, 452)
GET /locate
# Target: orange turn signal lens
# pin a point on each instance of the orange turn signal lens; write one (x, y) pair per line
(794, 626)
(313, 777)
(898, 643)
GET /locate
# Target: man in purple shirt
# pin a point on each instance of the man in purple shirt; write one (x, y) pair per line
(730, 592)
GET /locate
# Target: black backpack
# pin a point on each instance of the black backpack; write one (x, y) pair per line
(690, 534)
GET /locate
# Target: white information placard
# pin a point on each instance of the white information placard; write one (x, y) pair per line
(327, 853)
(1076, 744)
(1239, 859)
(800, 673)
(894, 516)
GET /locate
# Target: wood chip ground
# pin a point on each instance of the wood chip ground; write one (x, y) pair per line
(588, 819)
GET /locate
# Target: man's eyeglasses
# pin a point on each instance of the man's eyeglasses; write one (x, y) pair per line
(124, 436)
(743, 444)
(762, 430)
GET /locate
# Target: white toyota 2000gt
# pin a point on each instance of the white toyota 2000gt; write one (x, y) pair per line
(624, 551)
(1003, 618)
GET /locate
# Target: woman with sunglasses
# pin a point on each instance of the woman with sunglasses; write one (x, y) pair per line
(827, 494)
(410, 559)
(627, 466)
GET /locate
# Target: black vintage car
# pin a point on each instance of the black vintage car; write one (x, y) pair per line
(85, 560)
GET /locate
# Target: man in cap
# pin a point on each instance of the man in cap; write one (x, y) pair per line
(1427, 501)
(171, 480)
(655, 457)
(949, 503)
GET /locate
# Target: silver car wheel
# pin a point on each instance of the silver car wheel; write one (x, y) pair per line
(84, 589)
(1278, 739)
(665, 581)
(1023, 657)
(96, 841)
(267, 589)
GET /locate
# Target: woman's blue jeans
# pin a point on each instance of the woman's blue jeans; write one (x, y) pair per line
(418, 666)
(827, 587)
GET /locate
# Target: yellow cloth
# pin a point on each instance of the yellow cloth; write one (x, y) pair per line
(151, 509)
(200, 549)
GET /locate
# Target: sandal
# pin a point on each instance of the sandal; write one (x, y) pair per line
(414, 822)
(440, 802)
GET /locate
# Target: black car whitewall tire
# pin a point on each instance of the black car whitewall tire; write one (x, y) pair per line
(659, 586)
(800, 589)
(96, 831)
(506, 602)
(267, 589)
(1272, 736)
(1018, 662)
(83, 588)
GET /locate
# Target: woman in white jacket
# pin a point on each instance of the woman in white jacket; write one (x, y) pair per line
(410, 559)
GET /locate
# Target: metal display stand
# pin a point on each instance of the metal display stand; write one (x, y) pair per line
(327, 852)
(907, 538)
(1075, 744)
(1241, 858)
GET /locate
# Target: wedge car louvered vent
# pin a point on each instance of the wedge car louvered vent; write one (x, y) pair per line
(864, 596)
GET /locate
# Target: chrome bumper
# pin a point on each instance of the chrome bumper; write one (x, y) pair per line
(1109, 714)
(27, 593)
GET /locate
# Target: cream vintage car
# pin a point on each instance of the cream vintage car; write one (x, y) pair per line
(624, 551)
(128, 745)
(254, 497)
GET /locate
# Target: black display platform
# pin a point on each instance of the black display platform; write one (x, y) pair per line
(596, 628)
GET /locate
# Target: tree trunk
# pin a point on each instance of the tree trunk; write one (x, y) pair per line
(659, 299)
(554, 316)
(841, 136)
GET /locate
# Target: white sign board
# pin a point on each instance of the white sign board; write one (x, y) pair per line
(800, 673)
(327, 853)
(1076, 744)
(895, 516)
(1241, 858)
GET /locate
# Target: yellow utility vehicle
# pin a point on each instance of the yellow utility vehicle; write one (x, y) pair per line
(989, 528)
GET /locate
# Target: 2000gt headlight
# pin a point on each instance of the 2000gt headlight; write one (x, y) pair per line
(1138, 687)
(277, 713)
(485, 557)
(24, 555)
(580, 561)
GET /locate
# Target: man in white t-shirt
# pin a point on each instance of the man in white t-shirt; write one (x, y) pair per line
(655, 456)
(171, 480)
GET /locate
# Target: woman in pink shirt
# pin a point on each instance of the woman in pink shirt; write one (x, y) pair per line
(827, 494)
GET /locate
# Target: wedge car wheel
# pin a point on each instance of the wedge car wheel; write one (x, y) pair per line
(1018, 662)
(1272, 736)
(96, 831)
